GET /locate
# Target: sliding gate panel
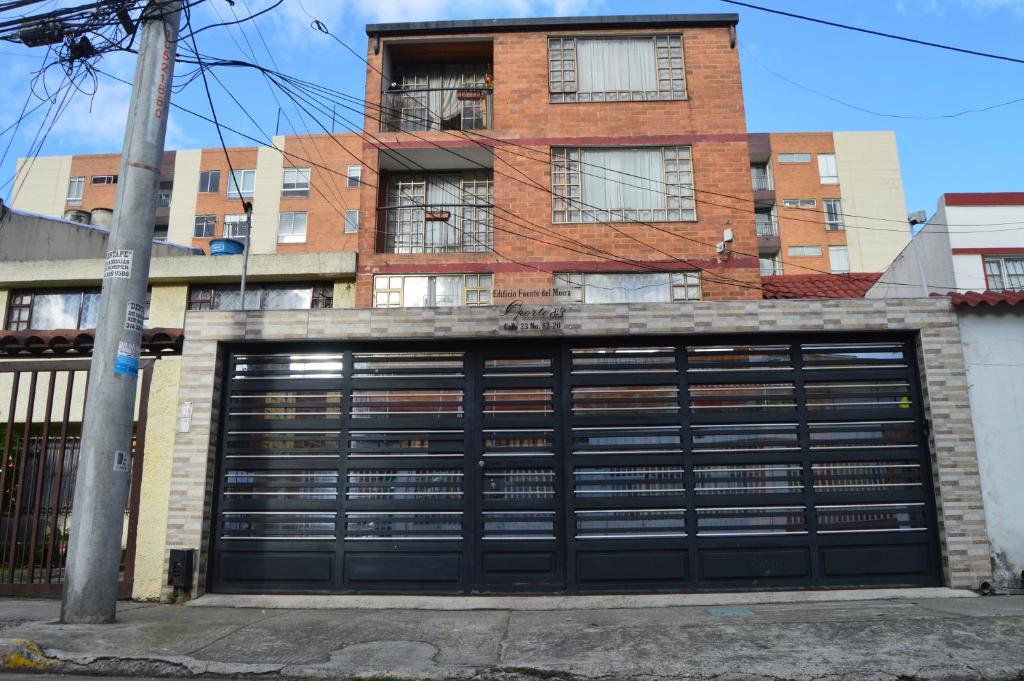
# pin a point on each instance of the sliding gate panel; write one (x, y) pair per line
(632, 464)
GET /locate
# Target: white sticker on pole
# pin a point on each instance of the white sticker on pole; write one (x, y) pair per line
(127, 361)
(118, 264)
(135, 316)
(122, 462)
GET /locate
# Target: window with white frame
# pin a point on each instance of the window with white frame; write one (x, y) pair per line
(1005, 273)
(104, 179)
(839, 259)
(353, 175)
(296, 182)
(241, 184)
(795, 158)
(209, 181)
(827, 169)
(234, 226)
(771, 266)
(432, 290)
(834, 215)
(627, 287)
(205, 227)
(616, 69)
(653, 184)
(351, 221)
(291, 228)
(75, 187)
(804, 251)
(800, 203)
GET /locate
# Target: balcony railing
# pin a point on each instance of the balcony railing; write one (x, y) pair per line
(438, 228)
(761, 179)
(409, 110)
(766, 226)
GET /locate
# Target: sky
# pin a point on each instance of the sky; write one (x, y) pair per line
(783, 60)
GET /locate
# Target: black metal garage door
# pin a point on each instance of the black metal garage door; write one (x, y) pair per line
(624, 464)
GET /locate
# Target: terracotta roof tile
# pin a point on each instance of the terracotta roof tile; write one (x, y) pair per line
(991, 298)
(80, 341)
(853, 285)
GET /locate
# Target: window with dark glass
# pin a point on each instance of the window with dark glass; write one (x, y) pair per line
(163, 194)
(262, 297)
(104, 179)
(296, 182)
(209, 181)
(206, 226)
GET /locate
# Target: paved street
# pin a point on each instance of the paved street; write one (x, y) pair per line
(940, 638)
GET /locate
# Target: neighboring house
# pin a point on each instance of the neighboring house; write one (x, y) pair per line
(50, 278)
(558, 383)
(804, 286)
(827, 201)
(973, 250)
(974, 242)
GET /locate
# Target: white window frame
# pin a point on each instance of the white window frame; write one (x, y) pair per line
(243, 176)
(988, 262)
(834, 224)
(389, 290)
(833, 251)
(669, 77)
(104, 179)
(234, 226)
(804, 251)
(295, 182)
(795, 157)
(75, 183)
(354, 175)
(823, 174)
(800, 204)
(208, 189)
(208, 220)
(352, 221)
(288, 231)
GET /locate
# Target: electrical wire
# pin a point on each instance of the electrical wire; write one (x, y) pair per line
(881, 34)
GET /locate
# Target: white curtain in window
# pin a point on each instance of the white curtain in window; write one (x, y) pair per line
(443, 100)
(444, 193)
(616, 65)
(627, 288)
(617, 179)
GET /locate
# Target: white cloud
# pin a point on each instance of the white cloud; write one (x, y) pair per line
(941, 7)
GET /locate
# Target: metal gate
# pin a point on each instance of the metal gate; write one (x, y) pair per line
(41, 405)
(639, 464)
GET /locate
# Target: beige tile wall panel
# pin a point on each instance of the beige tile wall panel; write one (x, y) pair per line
(41, 185)
(181, 217)
(267, 202)
(872, 187)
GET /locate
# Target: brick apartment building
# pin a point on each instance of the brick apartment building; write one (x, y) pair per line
(639, 418)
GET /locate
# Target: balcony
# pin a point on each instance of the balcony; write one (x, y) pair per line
(771, 267)
(767, 234)
(427, 109)
(764, 186)
(437, 228)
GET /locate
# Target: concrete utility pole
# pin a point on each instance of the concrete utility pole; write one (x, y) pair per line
(101, 488)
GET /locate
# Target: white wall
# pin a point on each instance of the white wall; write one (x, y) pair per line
(871, 186)
(985, 226)
(993, 342)
(41, 185)
(903, 278)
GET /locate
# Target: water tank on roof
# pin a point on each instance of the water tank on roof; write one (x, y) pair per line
(102, 217)
(82, 216)
(226, 247)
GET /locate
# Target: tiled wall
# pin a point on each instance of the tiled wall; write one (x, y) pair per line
(959, 504)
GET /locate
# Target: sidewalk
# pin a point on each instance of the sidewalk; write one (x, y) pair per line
(929, 638)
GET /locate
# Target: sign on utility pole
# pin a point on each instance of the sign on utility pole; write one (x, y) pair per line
(101, 488)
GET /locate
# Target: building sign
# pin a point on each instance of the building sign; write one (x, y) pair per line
(524, 294)
(518, 316)
(437, 215)
(466, 95)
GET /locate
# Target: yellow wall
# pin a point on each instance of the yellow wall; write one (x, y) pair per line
(167, 305)
(156, 479)
(4, 294)
(344, 294)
